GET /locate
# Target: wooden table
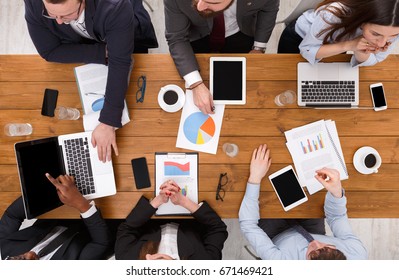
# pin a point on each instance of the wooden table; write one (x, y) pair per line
(23, 79)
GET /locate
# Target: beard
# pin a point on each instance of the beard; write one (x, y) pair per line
(208, 13)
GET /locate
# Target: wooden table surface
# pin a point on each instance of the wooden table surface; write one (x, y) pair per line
(23, 79)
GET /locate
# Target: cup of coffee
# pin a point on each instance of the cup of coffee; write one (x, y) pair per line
(171, 98)
(367, 160)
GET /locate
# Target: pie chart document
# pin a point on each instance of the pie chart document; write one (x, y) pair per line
(197, 131)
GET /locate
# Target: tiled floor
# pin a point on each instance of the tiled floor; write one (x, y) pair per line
(380, 236)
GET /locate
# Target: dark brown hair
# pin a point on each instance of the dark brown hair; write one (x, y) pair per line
(327, 253)
(149, 247)
(60, 1)
(355, 13)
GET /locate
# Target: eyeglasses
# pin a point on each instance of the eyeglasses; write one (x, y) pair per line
(220, 192)
(67, 17)
(141, 83)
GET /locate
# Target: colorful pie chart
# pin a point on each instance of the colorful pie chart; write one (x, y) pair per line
(199, 128)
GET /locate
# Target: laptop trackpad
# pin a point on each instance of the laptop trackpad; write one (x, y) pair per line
(100, 168)
(328, 72)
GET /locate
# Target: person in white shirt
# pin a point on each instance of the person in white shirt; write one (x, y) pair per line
(286, 242)
(367, 28)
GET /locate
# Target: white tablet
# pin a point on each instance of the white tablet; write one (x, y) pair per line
(228, 80)
(287, 187)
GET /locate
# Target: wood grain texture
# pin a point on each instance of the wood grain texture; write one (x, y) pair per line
(23, 79)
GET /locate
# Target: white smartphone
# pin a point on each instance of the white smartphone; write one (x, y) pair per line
(286, 185)
(378, 96)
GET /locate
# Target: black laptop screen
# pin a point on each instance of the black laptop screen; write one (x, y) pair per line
(35, 159)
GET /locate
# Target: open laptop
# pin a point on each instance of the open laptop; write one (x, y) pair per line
(333, 84)
(71, 154)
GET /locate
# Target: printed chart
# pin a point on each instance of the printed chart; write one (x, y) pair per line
(172, 168)
(199, 128)
(312, 145)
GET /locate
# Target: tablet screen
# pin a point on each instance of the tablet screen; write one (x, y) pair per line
(288, 188)
(227, 79)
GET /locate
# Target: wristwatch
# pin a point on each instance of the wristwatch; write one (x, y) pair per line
(259, 49)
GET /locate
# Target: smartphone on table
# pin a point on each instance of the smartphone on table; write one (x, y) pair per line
(378, 97)
(140, 173)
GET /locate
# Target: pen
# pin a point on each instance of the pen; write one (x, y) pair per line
(94, 93)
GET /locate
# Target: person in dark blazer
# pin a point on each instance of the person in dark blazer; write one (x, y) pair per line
(88, 239)
(248, 25)
(140, 237)
(95, 31)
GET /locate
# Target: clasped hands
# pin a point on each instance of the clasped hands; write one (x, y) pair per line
(169, 190)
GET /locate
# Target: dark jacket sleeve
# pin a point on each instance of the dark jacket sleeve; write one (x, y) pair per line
(12, 218)
(130, 231)
(215, 230)
(101, 242)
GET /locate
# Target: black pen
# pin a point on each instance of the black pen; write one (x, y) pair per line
(94, 93)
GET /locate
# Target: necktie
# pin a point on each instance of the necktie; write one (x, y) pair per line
(303, 232)
(217, 36)
(56, 242)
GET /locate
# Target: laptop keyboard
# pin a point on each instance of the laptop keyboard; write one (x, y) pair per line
(328, 91)
(79, 164)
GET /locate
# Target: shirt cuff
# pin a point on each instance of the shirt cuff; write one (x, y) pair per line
(259, 44)
(89, 212)
(192, 78)
(252, 190)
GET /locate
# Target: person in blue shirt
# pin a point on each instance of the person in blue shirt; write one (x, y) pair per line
(367, 28)
(276, 239)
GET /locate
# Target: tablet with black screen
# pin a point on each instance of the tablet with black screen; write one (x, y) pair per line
(228, 80)
(287, 188)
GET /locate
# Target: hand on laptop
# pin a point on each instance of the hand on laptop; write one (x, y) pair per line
(104, 139)
(203, 99)
(68, 192)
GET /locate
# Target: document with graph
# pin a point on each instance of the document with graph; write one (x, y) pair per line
(92, 81)
(312, 147)
(181, 168)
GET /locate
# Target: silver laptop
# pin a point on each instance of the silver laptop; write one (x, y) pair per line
(333, 84)
(71, 154)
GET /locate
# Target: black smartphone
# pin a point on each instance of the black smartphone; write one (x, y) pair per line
(49, 102)
(140, 172)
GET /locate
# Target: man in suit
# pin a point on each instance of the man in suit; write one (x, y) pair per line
(89, 238)
(139, 237)
(226, 26)
(96, 31)
(279, 239)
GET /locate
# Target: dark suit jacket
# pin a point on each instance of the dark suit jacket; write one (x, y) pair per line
(91, 241)
(255, 18)
(113, 24)
(202, 238)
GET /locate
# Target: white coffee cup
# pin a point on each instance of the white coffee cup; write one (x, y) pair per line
(171, 98)
(367, 160)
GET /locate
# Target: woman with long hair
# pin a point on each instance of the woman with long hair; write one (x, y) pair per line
(368, 28)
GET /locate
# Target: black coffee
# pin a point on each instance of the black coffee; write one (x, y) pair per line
(370, 160)
(170, 97)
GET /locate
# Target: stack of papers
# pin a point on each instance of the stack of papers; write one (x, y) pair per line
(312, 147)
(92, 81)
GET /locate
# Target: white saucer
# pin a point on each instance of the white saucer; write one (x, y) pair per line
(358, 159)
(181, 98)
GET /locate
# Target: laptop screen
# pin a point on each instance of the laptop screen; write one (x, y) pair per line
(35, 158)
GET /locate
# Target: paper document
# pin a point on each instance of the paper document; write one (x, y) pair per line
(181, 168)
(92, 81)
(313, 147)
(197, 131)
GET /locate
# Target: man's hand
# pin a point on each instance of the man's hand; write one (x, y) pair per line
(329, 178)
(103, 137)
(68, 193)
(203, 99)
(260, 164)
